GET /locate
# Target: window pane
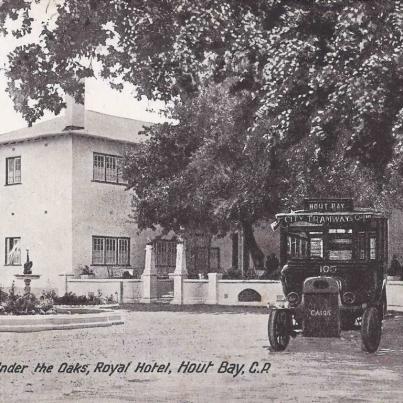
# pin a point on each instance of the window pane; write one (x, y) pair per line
(304, 247)
(340, 254)
(123, 255)
(99, 167)
(340, 244)
(98, 251)
(10, 171)
(372, 248)
(120, 171)
(316, 245)
(111, 169)
(110, 251)
(17, 170)
(13, 251)
(294, 246)
(361, 245)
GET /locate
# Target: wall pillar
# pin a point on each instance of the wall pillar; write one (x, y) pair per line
(66, 282)
(149, 277)
(180, 272)
(212, 296)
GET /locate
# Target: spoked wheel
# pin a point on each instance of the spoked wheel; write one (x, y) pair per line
(371, 329)
(279, 328)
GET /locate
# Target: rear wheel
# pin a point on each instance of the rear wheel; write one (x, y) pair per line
(279, 327)
(371, 329)
(384, 305)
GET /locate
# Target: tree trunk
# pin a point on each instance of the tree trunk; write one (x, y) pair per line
(252, 246)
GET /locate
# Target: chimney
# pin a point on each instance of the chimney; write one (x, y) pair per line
(74, 114)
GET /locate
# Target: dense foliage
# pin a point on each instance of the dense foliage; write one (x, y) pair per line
(70, 298)
(12, 303)
(203, 173)
(274, 99)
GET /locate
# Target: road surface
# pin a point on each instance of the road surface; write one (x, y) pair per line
(234, 344)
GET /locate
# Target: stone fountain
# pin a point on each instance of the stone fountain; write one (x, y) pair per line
(64, 318)
(27, 276)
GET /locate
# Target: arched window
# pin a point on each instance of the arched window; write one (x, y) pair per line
(249, 295)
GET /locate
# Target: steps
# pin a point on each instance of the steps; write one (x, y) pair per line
(166, 298)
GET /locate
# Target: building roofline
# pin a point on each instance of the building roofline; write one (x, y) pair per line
(59, 134)
(73, 131)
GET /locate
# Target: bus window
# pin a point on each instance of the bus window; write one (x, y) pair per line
(294, 249)
(372, 247)
(340, 231)
(316, 244)
(304, 247)
(297, 244)
(340, 246)
(361, 246)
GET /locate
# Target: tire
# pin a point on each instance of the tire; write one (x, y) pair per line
(279, 329)
(371, 329)
(384, 305)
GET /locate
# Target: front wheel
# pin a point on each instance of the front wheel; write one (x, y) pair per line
(371, 329)
(279, 329)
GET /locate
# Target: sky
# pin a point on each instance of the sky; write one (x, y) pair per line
(98, 95)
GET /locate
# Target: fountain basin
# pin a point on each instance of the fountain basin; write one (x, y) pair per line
(27, 276)
(37, 323)
(84, 308)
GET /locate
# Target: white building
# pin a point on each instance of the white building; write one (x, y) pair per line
(64, 198)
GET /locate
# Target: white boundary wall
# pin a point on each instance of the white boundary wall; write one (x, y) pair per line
(226, 292)
(394, 294)
(229, 290)
(214, 291)
(195, 291)
(124, 291)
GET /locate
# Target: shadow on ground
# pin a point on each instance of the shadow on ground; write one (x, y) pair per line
(213, 309)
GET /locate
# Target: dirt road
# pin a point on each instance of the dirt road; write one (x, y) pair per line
(232, 343)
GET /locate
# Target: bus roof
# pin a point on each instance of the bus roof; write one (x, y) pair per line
(357, 211)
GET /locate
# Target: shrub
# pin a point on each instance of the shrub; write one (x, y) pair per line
(271, 275)
(85, 270)
(72, 299)
(232, 274)
(27, 304)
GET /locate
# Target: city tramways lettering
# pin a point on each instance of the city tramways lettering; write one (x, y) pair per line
(324, 218)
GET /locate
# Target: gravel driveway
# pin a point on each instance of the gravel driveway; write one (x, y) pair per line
(229, 349)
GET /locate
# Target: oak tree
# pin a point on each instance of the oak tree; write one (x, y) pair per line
(312, 90)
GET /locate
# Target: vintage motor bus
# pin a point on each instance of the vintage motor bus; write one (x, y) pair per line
(334, 261)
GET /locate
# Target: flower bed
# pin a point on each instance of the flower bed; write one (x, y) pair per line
(27, 313)
(73, 299)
